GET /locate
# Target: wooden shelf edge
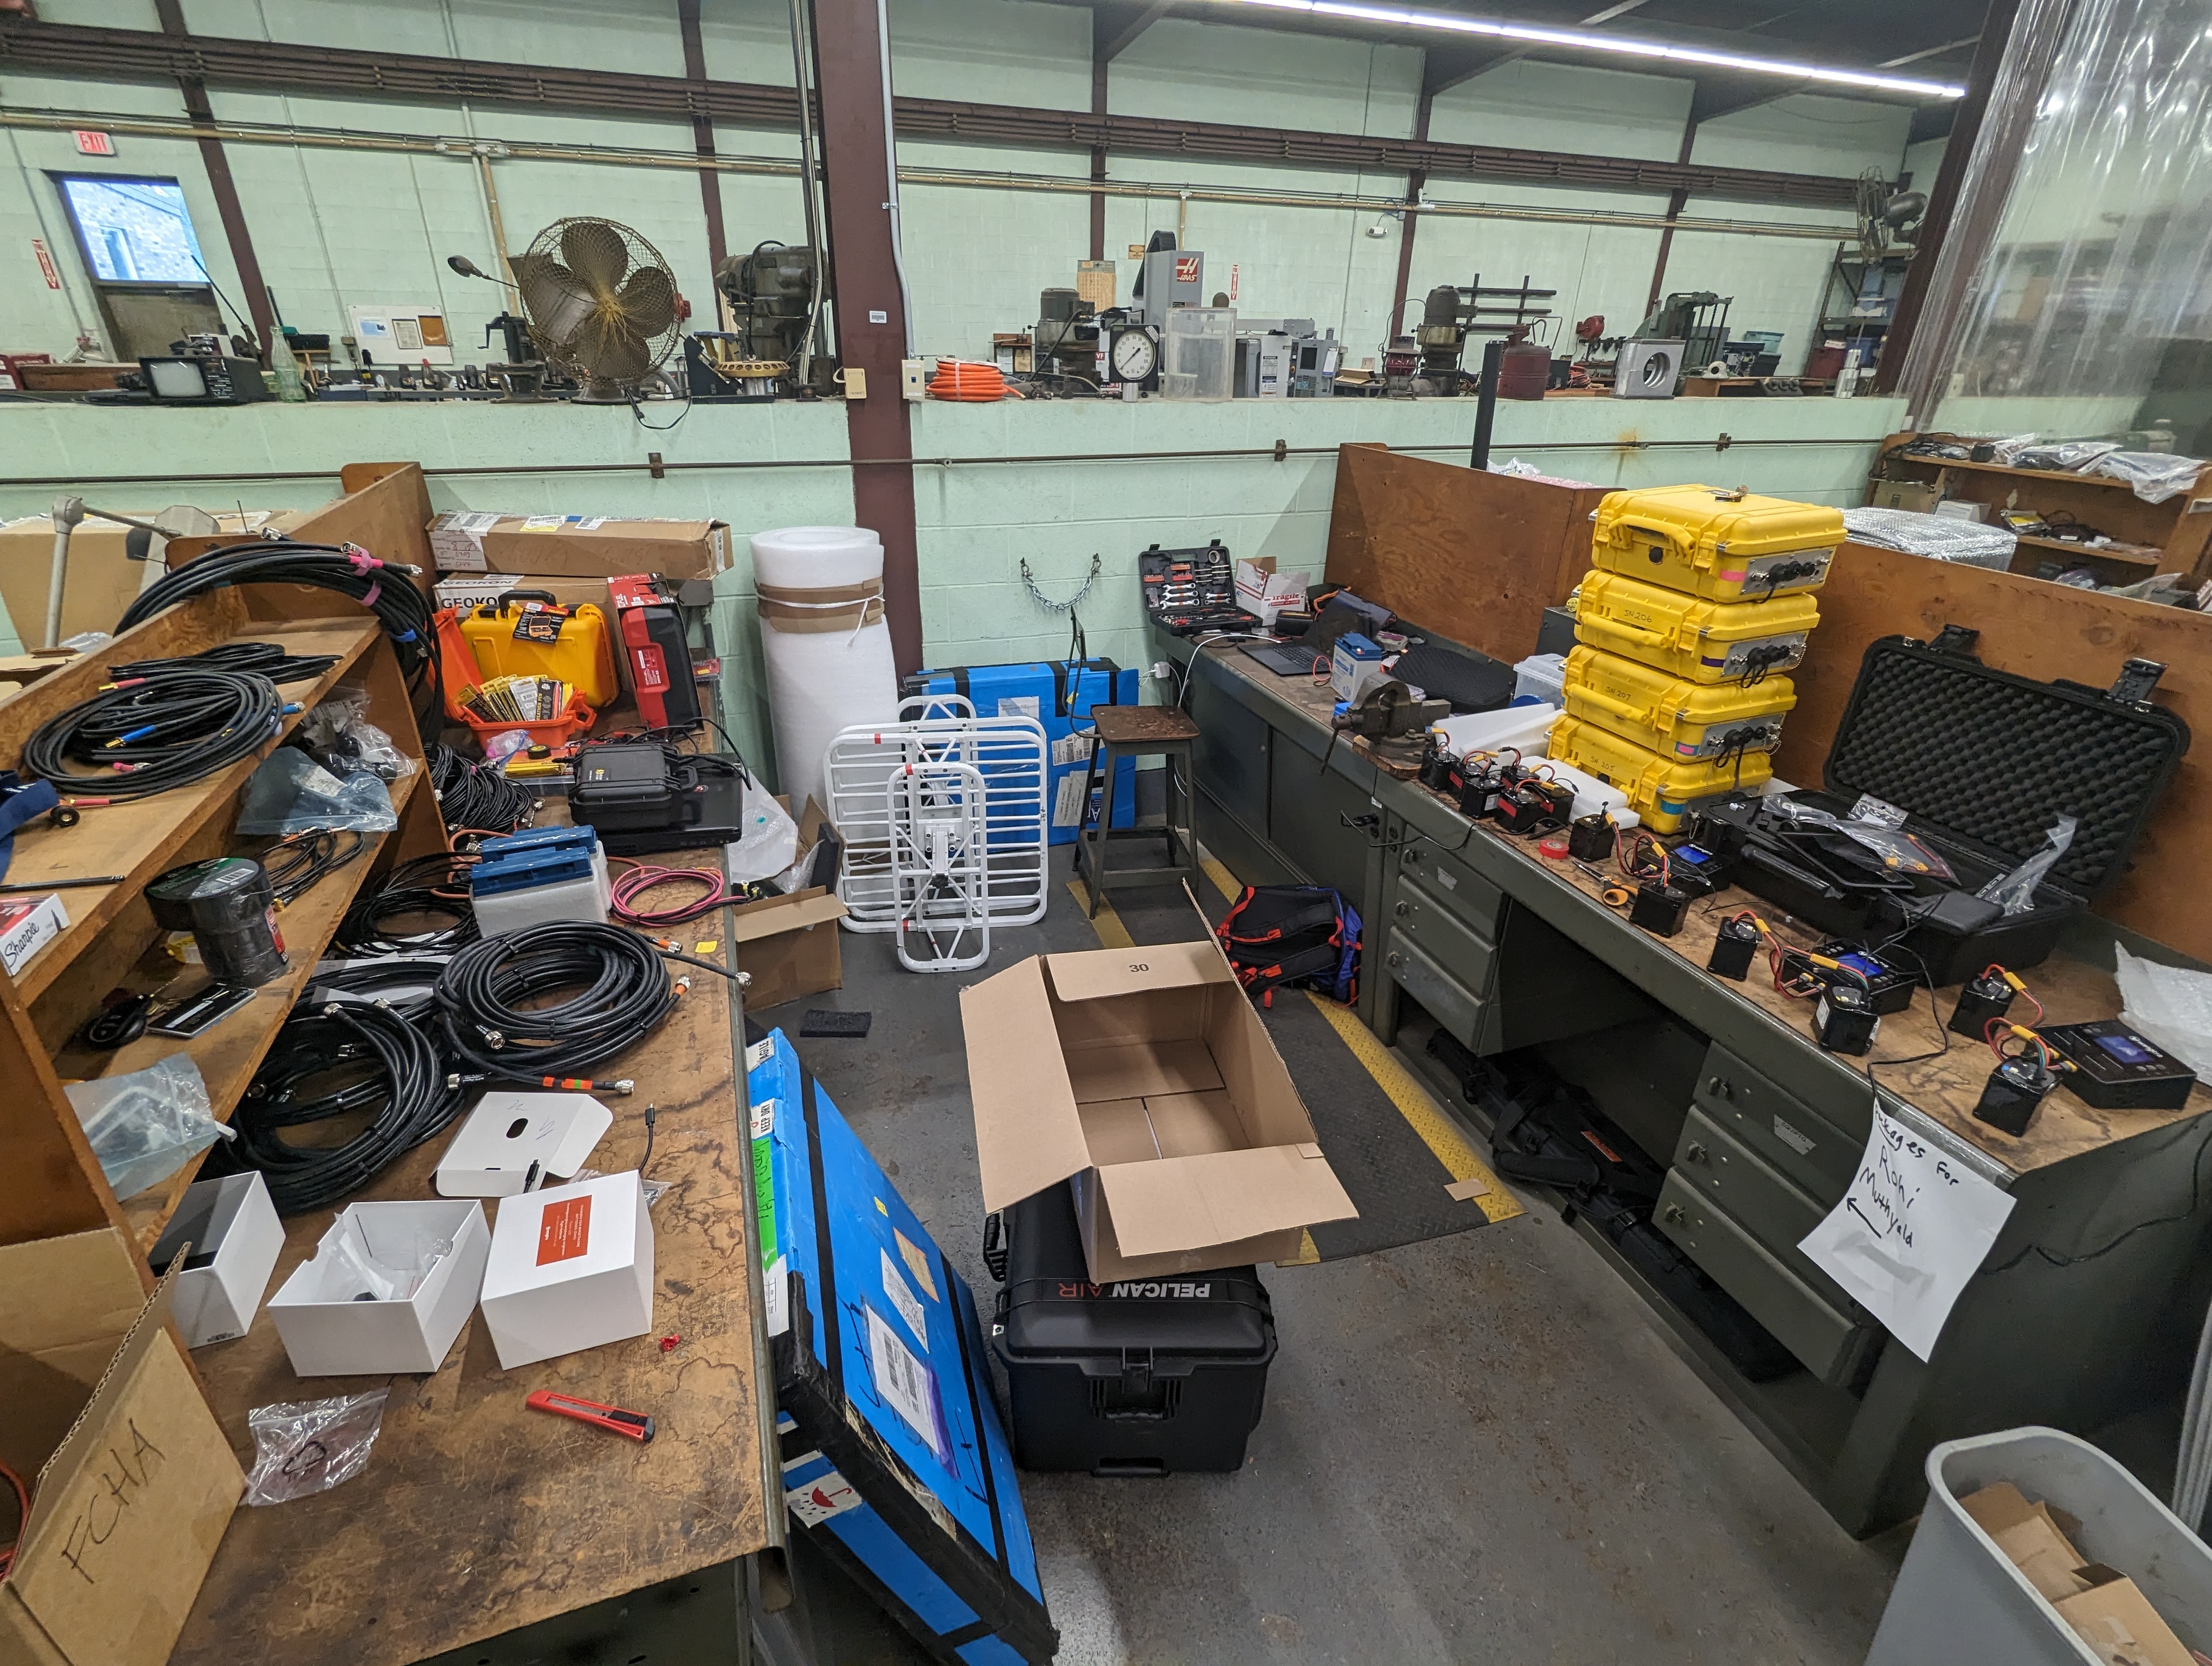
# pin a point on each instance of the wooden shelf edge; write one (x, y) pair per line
(2061, 544)
(2063, 476)
(91, 911)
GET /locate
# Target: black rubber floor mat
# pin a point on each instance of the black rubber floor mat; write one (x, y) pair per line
(1394, 1180)
(821, 1021)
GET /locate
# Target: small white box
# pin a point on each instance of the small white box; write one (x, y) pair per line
(1354, 666)
(570, 1268)
(28, 924)
(329, 1331)
(236, 1237)
(508, 1132)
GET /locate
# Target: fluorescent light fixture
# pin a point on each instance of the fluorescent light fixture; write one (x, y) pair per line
(1584, 40)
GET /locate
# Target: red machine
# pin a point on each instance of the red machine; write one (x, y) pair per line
(653, 642)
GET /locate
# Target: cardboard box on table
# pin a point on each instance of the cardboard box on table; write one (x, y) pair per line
(103, 581)
(578, 546)
(1145, 1076)
(134, 1481)
(787, 945)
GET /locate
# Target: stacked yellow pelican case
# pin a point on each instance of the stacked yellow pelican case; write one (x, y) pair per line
(1699, 601)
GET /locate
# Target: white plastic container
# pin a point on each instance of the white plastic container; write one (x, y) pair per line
(1958, 1599)
(825, 641)
(1198, 360)
(1544, 676)
(235, 1239)
(1524, 728)
(331, 1329)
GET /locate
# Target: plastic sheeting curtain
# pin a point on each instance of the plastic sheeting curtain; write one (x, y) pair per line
(2097, 281)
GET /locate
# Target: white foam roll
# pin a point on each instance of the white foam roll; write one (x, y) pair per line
(825, 641)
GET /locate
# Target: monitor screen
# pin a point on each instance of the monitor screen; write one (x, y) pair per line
(135, 231)
(176, 379)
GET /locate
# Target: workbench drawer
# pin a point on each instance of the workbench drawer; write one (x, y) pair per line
(1451, 1003)
(1778, 1126)
(1757, 1196)
(1463, 952)
(1828, 1341)
(1452, 882)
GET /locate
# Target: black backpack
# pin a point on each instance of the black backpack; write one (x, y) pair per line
(1295, 934)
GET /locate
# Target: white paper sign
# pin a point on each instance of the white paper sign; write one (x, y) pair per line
(905, 1383)
(907, 1304)
(1913, 1229)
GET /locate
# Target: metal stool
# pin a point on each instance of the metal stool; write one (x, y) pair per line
(1139, 731)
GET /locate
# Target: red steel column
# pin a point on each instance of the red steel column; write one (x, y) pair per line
(257, 306)
(871, 315)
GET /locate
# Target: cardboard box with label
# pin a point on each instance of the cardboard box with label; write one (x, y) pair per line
(138, 1481)
(1145, 1076)
(787, 945)
(1261, 590)
(571, 1267)
(1919, 495)
(578, 546)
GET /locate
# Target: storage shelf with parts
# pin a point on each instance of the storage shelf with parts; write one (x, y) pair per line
(112, 940)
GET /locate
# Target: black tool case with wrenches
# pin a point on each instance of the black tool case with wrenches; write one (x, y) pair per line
(1142, 1377)
(1982, 762)
(1190, 591)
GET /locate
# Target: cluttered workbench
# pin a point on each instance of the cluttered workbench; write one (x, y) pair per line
(1478, 945)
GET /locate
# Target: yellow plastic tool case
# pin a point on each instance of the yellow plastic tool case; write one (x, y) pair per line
(1703, 642)
(526, 634)
(1671, 716)
(1660, 789)
(1725, 546)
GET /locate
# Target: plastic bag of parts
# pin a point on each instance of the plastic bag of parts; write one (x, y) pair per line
(2070, 456)
(307, 1446)
(2014, 892)
(344, 742)
(147, 1125)
(769, 844)
(2007, 451)
(391, 1272)
(1938, 536)
(1899, 851)
(2153, 476)
(290, 793)
(2170, 1005)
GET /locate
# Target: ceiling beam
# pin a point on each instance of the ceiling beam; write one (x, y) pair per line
(1718, 95)
(1445, 67)
(141, 55)
(1108, 42)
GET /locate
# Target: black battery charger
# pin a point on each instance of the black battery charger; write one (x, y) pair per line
(2119, 1068)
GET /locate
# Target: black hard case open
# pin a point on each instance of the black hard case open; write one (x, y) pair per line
(1143, 1377)
(1984, 761)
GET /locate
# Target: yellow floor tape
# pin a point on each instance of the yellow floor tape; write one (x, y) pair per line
(1112, 933)
(1422, 1114)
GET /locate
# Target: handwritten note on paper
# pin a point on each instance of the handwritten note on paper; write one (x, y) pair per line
(1909, 1233)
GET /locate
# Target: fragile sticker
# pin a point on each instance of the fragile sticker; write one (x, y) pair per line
(903, 1298)
(564, 1231)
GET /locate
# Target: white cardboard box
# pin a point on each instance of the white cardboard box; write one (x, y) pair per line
(571, 1267)
(27, 925)
(508, 1131)
(235, 1239)
(328, 1333)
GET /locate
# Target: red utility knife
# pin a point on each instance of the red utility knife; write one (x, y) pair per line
(634, 1425)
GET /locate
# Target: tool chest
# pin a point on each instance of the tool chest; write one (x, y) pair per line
(1978, 764)
(1190, 591)
(1660, 789)
(894, 1460)
(1672, 715)
(1725, 546)
(1144, 1377)
(1703, 642)
(525, 633)
(1059, 694)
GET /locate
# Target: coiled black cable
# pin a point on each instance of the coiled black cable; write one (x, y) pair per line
(164, 730)
(622, 994)
(437, 885)
(386, 588)
(347, 1058)
(267, 659)
(403, 982)
(476, 797)
(298, 862)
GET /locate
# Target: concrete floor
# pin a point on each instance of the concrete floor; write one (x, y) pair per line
(1475, 1449)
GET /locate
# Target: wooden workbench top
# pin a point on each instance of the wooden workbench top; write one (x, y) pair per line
(1945, 1088)
(475, 1515)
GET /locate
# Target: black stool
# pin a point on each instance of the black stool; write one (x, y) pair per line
(1140, 732)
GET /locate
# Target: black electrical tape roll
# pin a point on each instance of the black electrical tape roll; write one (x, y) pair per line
(367, 1059)
(622, 994)
(166, 730)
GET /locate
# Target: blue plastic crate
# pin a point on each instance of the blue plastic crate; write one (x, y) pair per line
(894, 1460)
(1058, 694)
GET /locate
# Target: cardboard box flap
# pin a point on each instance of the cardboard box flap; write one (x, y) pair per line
(63, 1302)
(1095, 973)
(1220, 1197)
(778, 914)
(1028, 1135)
(1140, 1069)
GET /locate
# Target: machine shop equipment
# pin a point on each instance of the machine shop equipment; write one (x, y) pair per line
(1452, 313)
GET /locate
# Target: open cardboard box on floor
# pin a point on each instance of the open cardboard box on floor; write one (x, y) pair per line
(133, 1482)
(2107, 1609)
(1144, 1076)
(787, 945)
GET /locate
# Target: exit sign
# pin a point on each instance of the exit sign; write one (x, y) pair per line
(90, 143)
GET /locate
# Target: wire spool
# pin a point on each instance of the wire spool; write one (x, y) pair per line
(826, 642)
(229, 907)
(489, 996)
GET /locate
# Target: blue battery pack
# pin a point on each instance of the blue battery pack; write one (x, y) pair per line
(894, 1460)
(1058, 694)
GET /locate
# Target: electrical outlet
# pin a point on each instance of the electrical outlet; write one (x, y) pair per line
(910, 379)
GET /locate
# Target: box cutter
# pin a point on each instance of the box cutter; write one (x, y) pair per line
(636, 1425)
